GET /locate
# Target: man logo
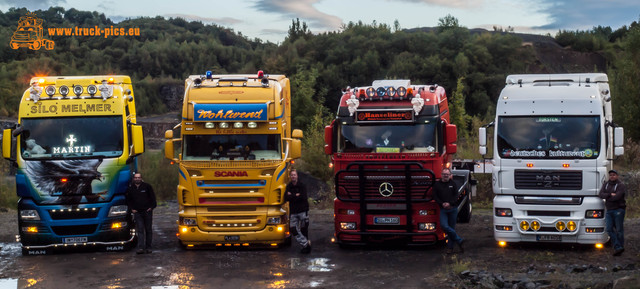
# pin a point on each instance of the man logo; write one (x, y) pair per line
(386, 189)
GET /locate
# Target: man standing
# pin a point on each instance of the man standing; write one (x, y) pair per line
(613, 193)
(142, 200)
(445, 193)
(296, 195)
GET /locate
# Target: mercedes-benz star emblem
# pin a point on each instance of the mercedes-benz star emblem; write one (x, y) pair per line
(386, 189)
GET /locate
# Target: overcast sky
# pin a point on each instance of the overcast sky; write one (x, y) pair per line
(270, 19)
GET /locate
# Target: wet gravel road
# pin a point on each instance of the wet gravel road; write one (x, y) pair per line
(169, 266)
(328, 266)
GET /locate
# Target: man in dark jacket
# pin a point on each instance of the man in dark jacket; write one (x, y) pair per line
(142, 200)
(296, 195)
(445, 193)
(613, 193)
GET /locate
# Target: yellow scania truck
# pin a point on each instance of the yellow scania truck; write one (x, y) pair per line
(236, 149)
(75, 147)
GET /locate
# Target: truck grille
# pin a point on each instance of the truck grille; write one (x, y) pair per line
(74, 230)
(548, 180)
(391, 182)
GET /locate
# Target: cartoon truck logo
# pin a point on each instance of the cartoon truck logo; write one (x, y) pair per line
(29, 34)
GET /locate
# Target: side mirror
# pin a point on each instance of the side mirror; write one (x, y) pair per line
(482, 136)
(483, 150)
(451, 138)
(618, 137)
(168, 150)
(137, 139)
(6, 144)
(295, 149)
(168, 134)
(296, 133)
(618, 141)
(328, 139)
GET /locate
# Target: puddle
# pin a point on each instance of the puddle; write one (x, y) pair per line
(8, 283)
(313, 265)
(19, 283)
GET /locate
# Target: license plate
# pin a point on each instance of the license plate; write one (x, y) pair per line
(553, 238)
(75, 240)
(232, 238)
(386, 220)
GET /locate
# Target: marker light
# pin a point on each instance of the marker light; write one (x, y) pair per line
(224, 125)
(110, 80)
(50, 90)
(78, 90)
(238, 125)
(401, 92)
(92, 89)
(41, 80)
(63, 180)
(209, 74)
(565, 165)
(529, 165)
(252, 125)
(209, 125)
(599, 246)
(502, 244)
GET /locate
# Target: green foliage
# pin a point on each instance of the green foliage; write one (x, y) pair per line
(8, 197)
(159, 173)
(457, 112)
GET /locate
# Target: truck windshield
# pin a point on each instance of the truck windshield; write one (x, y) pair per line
(559, 137)
(388, 138)
(232, 147)
(71, 137)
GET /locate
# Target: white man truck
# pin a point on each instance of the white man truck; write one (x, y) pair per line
(554, 142)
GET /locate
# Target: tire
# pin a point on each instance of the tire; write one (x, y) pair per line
(35, 45)
(14, 45)
(48, 44)
(464, 216)
(287, 242)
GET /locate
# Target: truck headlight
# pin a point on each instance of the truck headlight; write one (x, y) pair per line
(594, 214)
(426, 212)
(118, 210)
(348, 226)
(346, 211)
(188, 221)
(274, 220)
(501, 212)
(29, 215)
(426, 226)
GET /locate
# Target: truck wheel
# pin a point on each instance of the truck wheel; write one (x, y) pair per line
(35, 45)
(464, 216)
(48, 44)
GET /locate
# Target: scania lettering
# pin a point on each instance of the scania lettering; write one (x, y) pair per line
(388, 145)
(236, 150)
(75, 147)
(554, 142)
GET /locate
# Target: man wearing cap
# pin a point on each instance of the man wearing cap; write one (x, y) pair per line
(613, 192)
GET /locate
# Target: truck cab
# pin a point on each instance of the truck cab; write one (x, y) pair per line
(236, 149)
(75, 146)
(388, 145)
(554, 142)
